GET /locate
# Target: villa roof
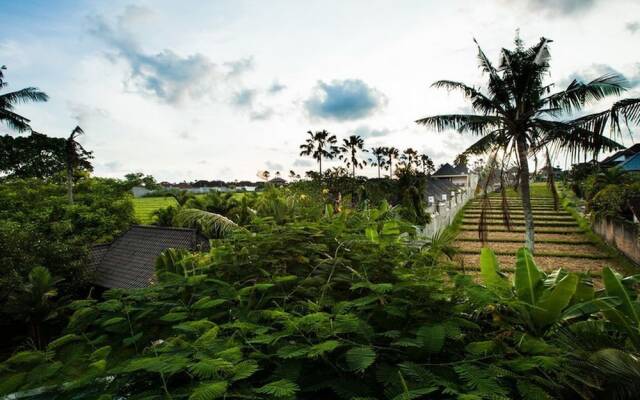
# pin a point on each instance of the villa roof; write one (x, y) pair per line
(632, 163)
(129, 261)
(621, 155)
(449, 170)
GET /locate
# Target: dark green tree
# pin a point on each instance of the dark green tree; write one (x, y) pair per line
(76, 158)
(320, 145)
(392, 154)
(349, 153)
(378, 158)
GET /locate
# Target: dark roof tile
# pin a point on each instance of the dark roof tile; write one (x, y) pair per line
(129, 262)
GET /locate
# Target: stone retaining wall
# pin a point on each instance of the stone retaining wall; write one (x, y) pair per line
(622, 235)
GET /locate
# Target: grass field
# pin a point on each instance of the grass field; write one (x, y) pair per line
(143, 207)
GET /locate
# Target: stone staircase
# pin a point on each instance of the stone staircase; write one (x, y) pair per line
(560, 242)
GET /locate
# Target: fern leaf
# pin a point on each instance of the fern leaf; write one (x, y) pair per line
(432, 337)
(360, 358)
(209, 391)
(280, 388)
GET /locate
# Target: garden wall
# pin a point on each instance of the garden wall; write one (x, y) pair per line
(622, 235)
(443, 212)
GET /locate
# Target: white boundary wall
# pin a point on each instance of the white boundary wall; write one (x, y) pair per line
(444, 211)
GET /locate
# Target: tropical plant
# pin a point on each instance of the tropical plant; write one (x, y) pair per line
(342, 308)
(539, 300)
(349, 153)
(391, 154)
(319, 145)
(519, 114)
(36, 302)
(76, 157)
(378, 158)
(210, 224)
(425, 162)
(409, 158)
(8, 101)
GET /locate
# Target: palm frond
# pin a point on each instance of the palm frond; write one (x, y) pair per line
(26, 95)
(578, 94)
(209, 224)
(476, 124)
(628, 109)
(479, 101)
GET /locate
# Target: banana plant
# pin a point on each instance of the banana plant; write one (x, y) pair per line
(539, 300)
(621, 307)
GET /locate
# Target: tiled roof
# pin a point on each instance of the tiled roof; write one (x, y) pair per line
(129, 262)
(446, 169)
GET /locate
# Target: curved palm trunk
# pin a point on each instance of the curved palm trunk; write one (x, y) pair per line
(525, 193)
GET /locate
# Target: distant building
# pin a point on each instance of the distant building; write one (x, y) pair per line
(139, 191)
(620, 157)
(439, 190)
(632, 163)
(278, 181)
(458, 176)
(129, 261)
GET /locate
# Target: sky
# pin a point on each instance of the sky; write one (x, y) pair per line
(188, 90)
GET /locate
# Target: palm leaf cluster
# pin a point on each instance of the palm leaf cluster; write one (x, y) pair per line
(8, 102)
(518, 115)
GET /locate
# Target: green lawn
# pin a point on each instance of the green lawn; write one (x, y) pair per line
(143, 207)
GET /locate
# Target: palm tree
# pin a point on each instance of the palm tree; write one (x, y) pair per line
(75, 157)
(319, 145)
(377, 160)
(391, 153)
(349, 153)
(410, 158)
(519, 115)
(8, 101)
(426, 163)
(35, 300)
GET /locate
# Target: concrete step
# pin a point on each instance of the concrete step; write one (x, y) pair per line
(519, 237)
(550, 229)
(549, 249)
(547, 264)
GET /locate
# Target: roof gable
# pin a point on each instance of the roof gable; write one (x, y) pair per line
(632, 163)
(129, 262)
(446, 169)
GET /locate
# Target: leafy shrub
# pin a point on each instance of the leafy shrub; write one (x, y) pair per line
(340, 308)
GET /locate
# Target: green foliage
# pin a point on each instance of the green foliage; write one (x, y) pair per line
(341, 308)
(38, 227)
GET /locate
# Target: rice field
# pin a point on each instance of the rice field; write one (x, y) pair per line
(143, 207)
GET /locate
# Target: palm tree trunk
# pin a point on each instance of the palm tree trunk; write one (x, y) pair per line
(526, 194)
(70, 185)
(354, 170)
(320, 161)
(390, 168)
(378, 169)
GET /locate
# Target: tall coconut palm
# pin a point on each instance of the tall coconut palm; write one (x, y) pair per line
(76, 157)
(8, 101)
(392, 154)
(425, 162)
(518, 114)
(377, 158)
(320, 145)
(410, 158)
(349, 153)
